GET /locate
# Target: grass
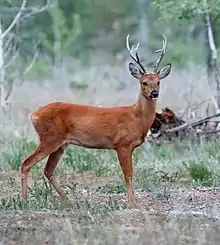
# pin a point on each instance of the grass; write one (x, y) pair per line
(149, 165)
(200, 173)
(18, 150)
(81, 160)
(158, 166)
(113, 188)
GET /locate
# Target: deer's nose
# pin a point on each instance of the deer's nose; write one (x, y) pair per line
(154, 94)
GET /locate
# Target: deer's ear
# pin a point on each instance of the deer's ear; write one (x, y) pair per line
(135, 72)
(165, 71)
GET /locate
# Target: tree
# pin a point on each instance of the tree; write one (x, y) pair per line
(9, 52)
(62, 38)
(206, 12)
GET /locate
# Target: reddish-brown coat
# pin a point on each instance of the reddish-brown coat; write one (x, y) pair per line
(166, 116)
(90, 126)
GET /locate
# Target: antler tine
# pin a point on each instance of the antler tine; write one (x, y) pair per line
(133, 48)
(162, 50)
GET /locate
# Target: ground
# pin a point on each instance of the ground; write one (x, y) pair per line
(99, 215)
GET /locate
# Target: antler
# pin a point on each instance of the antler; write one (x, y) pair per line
(130, 50)
(157, 63)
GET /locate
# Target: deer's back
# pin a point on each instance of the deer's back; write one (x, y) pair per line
(90, 126)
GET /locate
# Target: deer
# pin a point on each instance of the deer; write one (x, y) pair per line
(165, 117)
(119, 128)
(163, 120)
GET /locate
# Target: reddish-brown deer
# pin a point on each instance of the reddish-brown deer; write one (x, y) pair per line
(121, 128)
(165, 117)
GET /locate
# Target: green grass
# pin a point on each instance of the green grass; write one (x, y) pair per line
(166, 163)
(113, 188)
(200, 173)
(80, 160)
(18, 149)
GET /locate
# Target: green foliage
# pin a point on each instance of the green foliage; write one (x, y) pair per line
(190, 13)
(200, 173)
(166, 153)
(76, 27)
(187, 9)
(11, 204)
(212, 149)
(180, 53)
(81, 159)
(79, 84)
(113, 188)
(41, 68)
(62, 36)
(108, 21)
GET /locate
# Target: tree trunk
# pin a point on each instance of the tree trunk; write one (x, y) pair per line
(143, 24)
(211, 62)
(2, 73)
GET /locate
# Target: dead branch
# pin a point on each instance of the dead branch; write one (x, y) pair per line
(9, 91)
(210, 132)
(35, 11)
(15, 20)
(15, 56)
(28, 68)
(186, 126)
(7, 48)
(8, 95)
(8, 42)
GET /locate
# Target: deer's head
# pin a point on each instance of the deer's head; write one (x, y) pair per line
(149, 82)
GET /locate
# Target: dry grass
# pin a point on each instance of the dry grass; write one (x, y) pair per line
(181, 215)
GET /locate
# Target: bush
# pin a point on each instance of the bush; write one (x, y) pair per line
(200, 173)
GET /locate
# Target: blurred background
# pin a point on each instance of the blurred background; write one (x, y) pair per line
(74, 50)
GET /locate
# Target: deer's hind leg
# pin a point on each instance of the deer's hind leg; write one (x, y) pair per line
(50, 169)
(41, 152)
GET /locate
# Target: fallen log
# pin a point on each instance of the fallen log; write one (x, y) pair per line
(185, 126)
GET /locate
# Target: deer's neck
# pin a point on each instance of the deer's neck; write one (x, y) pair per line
(145, 109)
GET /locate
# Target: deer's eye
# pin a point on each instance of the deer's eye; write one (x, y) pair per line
(144, 83)
(158, 83)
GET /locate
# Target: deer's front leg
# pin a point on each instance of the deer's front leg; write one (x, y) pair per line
(125, 159)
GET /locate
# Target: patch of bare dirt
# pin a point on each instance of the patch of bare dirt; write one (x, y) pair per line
(132, 227)
(193, 211)
(200, 202)
(88, 186)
